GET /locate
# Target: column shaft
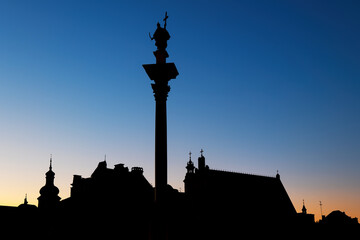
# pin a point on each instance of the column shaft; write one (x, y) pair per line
(160, 149)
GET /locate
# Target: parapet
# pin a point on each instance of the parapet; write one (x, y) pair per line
(120, 168)
(137, 170)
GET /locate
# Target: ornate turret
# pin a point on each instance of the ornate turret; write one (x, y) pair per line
(190, 165)
(304, 211)
(49, 198)
(201, 161)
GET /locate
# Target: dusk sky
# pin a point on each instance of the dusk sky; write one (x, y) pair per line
(262, 86)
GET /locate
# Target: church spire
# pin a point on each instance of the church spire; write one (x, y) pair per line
(25, 199)
(49, 193)
(50, 175)
(50, 168)
(304, 210)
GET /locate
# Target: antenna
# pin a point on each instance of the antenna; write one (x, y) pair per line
(321, 209)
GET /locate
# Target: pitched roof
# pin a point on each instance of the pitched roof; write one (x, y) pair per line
(250, 195)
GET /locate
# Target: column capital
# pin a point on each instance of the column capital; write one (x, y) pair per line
(161, 90)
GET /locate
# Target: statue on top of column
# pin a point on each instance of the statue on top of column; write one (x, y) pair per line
(161, 36)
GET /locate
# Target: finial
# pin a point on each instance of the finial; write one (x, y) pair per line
(201, 152)
(50, 162)
(190, 156)
(25, 199)
(105, 158)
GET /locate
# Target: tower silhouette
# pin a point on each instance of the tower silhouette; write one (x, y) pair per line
(49, 198)
(161, 73)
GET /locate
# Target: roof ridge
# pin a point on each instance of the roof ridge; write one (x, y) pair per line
(251, 174)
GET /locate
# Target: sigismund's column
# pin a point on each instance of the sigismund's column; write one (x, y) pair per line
(161, 73)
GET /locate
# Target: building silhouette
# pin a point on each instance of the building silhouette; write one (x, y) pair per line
(339, 218)
(110, 187)
(111, 202)
(49, 198)
(304, 218)
(255, 199)
(119, 202)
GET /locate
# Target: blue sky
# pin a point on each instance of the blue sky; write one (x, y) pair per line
(263, 86)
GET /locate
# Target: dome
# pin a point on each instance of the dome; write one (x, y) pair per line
(49, 190)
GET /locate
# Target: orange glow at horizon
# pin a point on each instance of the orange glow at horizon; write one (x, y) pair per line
(14, 188)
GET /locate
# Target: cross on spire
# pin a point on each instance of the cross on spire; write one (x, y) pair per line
(166, 17)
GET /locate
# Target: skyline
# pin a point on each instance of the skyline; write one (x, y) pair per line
(262, 87)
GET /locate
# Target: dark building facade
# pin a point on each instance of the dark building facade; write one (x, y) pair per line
(253, 199)
(119, 202)
(339, 218)
(111, 187)
(111, 202)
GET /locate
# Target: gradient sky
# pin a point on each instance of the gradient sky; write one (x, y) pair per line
(263, 86)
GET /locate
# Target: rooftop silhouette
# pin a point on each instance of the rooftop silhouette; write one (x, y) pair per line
(120, 202)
